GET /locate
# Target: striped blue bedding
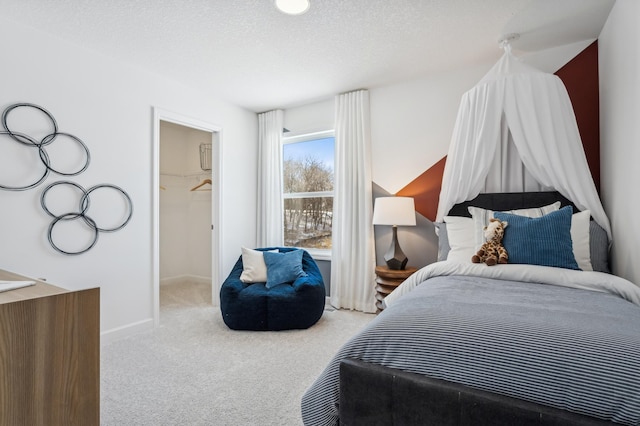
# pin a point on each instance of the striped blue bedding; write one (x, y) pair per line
(567, 348)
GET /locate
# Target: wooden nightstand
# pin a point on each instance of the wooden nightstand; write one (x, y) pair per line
(387, 280)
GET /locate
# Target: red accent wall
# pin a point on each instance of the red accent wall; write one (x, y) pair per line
(425, 190)
(580, 77)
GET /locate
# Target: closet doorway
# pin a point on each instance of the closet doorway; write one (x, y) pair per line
(186, 211)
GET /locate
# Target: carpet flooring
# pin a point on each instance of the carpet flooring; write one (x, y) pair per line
(193, 370)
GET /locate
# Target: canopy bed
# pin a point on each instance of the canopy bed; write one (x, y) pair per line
(539, 341)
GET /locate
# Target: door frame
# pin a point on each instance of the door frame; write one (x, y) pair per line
(160, 114)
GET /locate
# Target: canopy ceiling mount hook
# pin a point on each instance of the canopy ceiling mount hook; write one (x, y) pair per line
(505, 41)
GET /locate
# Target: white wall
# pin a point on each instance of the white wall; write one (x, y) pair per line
(619, 71)
(412, 122)
(314, 117)
(109, 105)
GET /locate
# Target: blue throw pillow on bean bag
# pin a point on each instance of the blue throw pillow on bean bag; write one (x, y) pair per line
(283, 267)
(544, 241)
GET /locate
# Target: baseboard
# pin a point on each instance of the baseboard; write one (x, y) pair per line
(128, 330)
(178, 279)
(327, 305)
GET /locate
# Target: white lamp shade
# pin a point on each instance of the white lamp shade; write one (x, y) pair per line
(398, 211)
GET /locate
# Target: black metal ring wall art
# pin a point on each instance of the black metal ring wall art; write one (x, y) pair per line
(48, 139)
(52, 134)
(43, 163)
(83, 207)
(29, 140)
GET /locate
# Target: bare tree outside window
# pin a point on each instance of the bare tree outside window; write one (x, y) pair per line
(308, 193)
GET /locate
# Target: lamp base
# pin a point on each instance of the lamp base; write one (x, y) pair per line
(395, 257)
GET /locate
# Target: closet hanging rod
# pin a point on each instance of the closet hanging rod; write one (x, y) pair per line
(185, 175)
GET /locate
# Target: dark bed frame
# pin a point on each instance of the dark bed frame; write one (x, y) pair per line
(374, 395)
(371, 394)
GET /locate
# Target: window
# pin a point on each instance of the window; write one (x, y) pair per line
(308, 191)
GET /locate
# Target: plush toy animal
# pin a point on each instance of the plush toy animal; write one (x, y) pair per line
(492, 251)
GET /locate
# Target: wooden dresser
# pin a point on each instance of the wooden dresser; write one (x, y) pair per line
(49, 355)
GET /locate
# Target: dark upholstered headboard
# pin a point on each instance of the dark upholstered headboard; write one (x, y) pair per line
(511, 201)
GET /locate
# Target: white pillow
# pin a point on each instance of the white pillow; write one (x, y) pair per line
(481, 217)
(460, 231)
(580, 239)
(254, 270)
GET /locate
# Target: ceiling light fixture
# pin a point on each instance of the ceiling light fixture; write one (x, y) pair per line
(293, 7)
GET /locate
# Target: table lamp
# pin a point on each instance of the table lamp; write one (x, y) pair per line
(394, 211)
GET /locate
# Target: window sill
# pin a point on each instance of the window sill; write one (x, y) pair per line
(319, 254)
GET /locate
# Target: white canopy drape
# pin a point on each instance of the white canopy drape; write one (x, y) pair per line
(541, 124)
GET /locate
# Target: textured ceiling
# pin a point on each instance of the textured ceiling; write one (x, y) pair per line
(250, 54)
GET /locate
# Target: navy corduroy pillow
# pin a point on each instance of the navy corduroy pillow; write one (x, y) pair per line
(283, 267)
(544, 241)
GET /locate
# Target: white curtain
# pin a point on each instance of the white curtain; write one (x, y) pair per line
(537, 111)
(353, 253)
(270, 203)
(508, 173)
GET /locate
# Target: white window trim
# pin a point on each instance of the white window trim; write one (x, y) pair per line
(316, 254)
(308, 136)
(319, 194)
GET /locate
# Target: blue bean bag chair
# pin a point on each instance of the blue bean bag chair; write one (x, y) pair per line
(291, 305)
